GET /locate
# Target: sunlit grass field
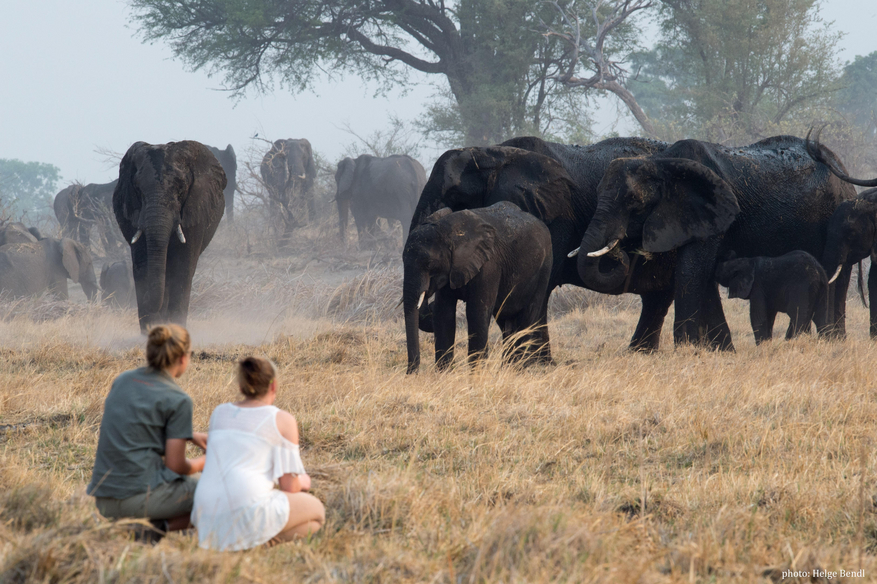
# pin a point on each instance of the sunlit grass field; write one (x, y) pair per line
(679, 466)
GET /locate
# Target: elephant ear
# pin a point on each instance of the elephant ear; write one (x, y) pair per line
(437, 216)
(535, 183)
(126, 197)
(344, 177)
(693, 203)
(204, 203)
(741, 283)
(70, 258)
(471, 247)
(468, 177)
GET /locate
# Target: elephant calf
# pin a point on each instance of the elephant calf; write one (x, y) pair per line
(497, 260)
(27, 269)
(117, 285)
(794, 284)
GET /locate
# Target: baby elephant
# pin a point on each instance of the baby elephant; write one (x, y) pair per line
(117, 285)
(794, 283)
(497, 260)
(28, 269)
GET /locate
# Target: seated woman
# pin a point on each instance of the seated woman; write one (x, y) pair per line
(146, 417)
(252, 445)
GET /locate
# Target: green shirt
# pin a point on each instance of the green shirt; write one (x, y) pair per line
(143, 410)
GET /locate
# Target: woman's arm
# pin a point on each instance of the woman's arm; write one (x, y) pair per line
(175, 458)
(289, 429)
(199, 439)
(294, 483)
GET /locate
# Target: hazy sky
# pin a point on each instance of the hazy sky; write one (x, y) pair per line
(75, 76)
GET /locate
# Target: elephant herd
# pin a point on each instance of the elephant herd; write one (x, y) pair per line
(500, 228)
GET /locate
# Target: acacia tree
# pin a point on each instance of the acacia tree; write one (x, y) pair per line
(590, 47)
(28, 187)
(488, 51)
(737, 70)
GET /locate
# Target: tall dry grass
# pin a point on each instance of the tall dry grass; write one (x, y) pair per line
(680, 466)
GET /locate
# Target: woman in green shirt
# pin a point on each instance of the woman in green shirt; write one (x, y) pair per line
(141, 469)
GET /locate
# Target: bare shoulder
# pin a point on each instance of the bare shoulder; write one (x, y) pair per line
(287, 426)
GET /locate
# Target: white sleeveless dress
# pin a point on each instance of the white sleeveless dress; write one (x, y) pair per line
(236, 506)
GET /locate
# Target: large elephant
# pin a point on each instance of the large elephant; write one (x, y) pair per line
(557, 184)
(497, 260)
(697, 201)
(288, 171)
(27, 269)
(374, 187)
(18, 233)
(168, 204)
(79, 207)
(229, 163)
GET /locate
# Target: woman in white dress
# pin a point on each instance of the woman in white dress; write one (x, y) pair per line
(252, 445)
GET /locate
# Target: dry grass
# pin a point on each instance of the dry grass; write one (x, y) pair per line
(681, 466)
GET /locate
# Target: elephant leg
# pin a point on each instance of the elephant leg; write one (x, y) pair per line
(312, 206)
(762, 319)
(718, 333)
(872, 297)
(800, 314)
(478, 318)
(699, 318)
(139, 265)
(647, 335)
(445, 324)
(542, 349)
(181, 264)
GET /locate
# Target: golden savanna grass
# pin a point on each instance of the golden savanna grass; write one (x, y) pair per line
(680, 466)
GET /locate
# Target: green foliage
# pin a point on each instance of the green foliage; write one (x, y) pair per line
(28, 188)
(858, 98)
(492, 59)
(736, 70)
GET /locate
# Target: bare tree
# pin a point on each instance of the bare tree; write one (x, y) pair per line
(607, 74)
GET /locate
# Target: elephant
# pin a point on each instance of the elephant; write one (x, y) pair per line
(288, 171)
(79, 207)
(793, 283)
(554, 182)
(229, 163)
(695, 202)
(168, 203)
(374, 187)
(117, 285)
(30, 268)
(497, 260)
(18, 233)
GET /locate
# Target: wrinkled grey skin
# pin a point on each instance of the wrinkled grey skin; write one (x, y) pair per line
(117, 285)
(794, 284)
(78, 208)
(164, 189)
(372, 187)
(288, 171)
(495, 259)
(27, 269)
(229, 162)
(18, 233)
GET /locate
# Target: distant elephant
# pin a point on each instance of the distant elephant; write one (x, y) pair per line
(374, 187)
(168, 204)
(79, 207)
(27, 269)
(18, 233)
(694, 202)
(794, 284)
(288, 171)
(497, 260)
(117, 285)
(229, 163)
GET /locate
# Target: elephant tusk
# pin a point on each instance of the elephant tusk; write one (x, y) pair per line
(302, 176)
(574, 252)
(604, 251)
(836, 274)
(180, 233)
(420, 301)
(136, 236)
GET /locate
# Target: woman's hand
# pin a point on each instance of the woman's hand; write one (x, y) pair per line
(199, 439)
(291, 483)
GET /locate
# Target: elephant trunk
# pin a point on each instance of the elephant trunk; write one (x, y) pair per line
(414, 293)
(158, 227)
(343, 208)
(606, 268)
